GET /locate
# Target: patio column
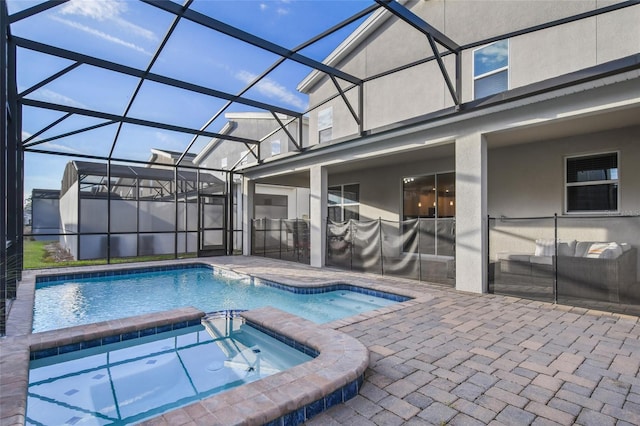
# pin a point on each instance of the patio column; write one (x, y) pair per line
(471, 213)
(318, 214)
(248, 191)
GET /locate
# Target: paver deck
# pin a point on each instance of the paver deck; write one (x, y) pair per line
(459, 358)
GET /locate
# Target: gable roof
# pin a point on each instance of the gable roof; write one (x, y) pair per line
(213, 143)
(354, 39)
(173, 155)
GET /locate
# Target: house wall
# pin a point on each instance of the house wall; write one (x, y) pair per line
(421, 89)
(527, 181)
(255, 129)
(297, 202)
(381, 187)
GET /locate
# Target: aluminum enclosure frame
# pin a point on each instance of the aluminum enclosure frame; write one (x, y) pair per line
(13, 147)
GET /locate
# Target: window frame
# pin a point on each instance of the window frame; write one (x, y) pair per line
(567, 184)
(276, 142)
(506, 68)
(342, 204)
(328, 128)
(436, 176)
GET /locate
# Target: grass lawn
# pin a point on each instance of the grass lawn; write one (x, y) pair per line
(36, 256)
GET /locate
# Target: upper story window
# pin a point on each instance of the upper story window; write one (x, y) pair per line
(592, 183)
(344, 202)
(244, 157)
(223, 163)
(325, 125)
(275, 147)
(491, 69)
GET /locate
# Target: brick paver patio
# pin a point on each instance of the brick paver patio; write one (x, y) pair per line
(464, 359)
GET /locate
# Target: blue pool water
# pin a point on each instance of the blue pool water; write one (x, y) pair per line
(125, 383)
(73, 302)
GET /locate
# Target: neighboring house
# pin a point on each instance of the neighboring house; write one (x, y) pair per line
(143, 205)
(45, 213)
(163, 156)
(282, 200)
(536, 120)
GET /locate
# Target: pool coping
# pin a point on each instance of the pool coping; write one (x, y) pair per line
(288, 396)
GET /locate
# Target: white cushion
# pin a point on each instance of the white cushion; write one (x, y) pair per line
(545, 248)
(604, 251)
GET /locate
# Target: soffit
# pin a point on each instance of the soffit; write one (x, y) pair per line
(615, 119)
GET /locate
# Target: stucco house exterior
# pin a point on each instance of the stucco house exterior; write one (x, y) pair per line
(286, 201)
(524, 113)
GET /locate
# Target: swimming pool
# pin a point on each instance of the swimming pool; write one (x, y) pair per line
(75, 300)
(127, 382)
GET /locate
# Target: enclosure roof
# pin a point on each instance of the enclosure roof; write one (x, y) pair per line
(112, 80)
(173, 155)
(132, 172)
(167, 72)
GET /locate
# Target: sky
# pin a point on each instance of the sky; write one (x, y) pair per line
(129, 32)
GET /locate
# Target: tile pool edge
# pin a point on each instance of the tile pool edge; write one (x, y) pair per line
(225, 272)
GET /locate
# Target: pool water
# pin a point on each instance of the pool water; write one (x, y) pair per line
(127, 382)
(73, 302)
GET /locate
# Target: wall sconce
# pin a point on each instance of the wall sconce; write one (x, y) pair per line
(419, 204)
(450, 203)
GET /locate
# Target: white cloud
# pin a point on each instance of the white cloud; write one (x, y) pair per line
(135, 29)
(57, 98)
(50, 145)
(280, 8)
(272, 89)
(168, 141)
(95, 9)
(104, 10)
(100, 34)
(58, 147)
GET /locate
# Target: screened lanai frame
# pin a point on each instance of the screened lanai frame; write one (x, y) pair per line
(11, 122)
(13, 163)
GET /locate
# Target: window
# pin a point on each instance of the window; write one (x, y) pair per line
(429, 196)
(275, 147)
(592, 183)
(344, 202)
(325, 125)
(491, 69)
(223, 163)
(244, 157)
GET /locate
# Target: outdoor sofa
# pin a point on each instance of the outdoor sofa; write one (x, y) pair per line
(602, 271)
